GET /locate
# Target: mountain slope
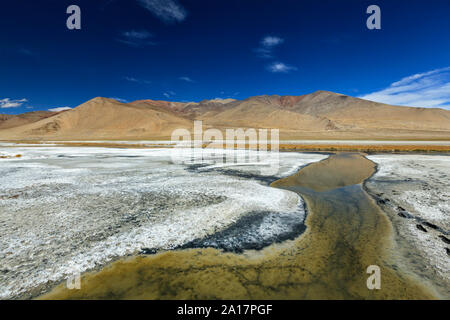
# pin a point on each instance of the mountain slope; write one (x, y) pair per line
(319, 115)
(349, 111)
(10, 121)
(331, 112)
(102, 118)
(259, 114)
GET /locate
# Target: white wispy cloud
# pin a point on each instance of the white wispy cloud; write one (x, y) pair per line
(267, 45)
(169, 94)
(265, 50)
(429, 89)
(119, 99)
(58, 109)
(136, 38)
(168, 11)
(280, 67)
(11, 103)
(131, 79)
(271, 41)
(135, 80)
(187, 79)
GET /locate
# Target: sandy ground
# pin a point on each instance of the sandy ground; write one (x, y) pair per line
(365, 146)
(414, 191)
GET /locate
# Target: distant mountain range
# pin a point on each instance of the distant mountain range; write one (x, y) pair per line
(319, 115)
(10, 120)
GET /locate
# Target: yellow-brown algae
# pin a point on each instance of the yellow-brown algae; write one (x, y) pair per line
(346, 232)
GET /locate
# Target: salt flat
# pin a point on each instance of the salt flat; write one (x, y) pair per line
(424, 183)
(415, 192)
(72, 209)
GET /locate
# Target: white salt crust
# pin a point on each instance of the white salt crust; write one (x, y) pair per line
(419, 184)
(65, 210)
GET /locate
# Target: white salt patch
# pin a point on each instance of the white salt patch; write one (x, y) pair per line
(420, 184)
(69, 209)
(430, 175)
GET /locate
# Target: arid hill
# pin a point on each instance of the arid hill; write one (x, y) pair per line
(319, 115)
(11, 120)
(101, 118)
(189, 110)
(325, 114)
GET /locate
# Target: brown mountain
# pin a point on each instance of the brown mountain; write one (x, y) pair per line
(189, 110)
(10, 121)
(101, 118)
(319, 115)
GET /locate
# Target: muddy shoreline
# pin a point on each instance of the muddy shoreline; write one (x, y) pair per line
(319, 146)
(130, 201)
(413, 257)
(327, 262)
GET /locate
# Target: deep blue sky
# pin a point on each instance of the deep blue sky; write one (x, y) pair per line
(218, 45)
